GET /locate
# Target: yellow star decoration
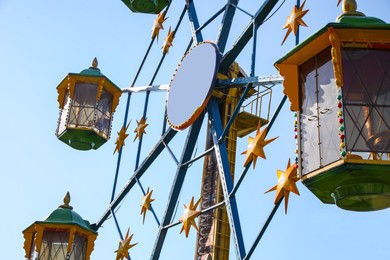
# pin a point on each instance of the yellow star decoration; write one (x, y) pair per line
(168, 41)
(294, 20)
(120, 140)
(188, 217)
(286, 183)
(256, 146)
(146, 200)
(124, 246)
(140, 129)
(158, 24)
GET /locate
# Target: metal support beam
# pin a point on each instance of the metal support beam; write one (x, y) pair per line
(255, 81)
(159, 147)
(215, 125)
(262, 231)
(258, 19)
(226, 24)
(194, 23)
(188, 149)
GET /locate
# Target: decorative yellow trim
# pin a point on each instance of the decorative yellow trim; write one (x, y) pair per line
(290, 83)
(90, 246)
(115, 101)
(336, 56)
(61, 90)
(72, 232)
(378, 36)
(319, 171)
(71, 84)
(28, 235)
(38, 238)
(100, 89)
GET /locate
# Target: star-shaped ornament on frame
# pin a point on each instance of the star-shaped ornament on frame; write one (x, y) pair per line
(120, 140)
(168, 41)
(286, 184)
(158, 24)
(145, 205)
(294, 20)
(140, 129)
(124, 246)
(256, 146)
(188, 217)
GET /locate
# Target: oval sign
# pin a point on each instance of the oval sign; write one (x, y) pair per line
(192, 84)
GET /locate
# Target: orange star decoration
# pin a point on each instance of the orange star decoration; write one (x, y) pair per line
(286, 183)
(140, 129)
(158, 24)
(168, 41)
(120, 140)
(124, 246)
(146, 200)
(294, 20)
(256, 146)
(188, 217)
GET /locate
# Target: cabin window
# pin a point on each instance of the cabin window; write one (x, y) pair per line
(319, 137)
(366, 100)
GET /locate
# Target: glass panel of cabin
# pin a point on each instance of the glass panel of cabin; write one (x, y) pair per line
(62, 121)
(309, 118)
(79, 248)
(82, 110)
(318, 115)
(327, 109)
(54, 245)
(103, 113)
(366, 100)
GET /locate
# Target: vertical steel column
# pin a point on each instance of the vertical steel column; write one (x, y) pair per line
(225, 177)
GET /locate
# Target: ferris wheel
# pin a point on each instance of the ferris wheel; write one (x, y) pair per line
(192, 92)
(210, 92)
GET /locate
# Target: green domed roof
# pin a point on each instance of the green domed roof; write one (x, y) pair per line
(64, 215)
(91, 71)
(67, 216)
(359, 20)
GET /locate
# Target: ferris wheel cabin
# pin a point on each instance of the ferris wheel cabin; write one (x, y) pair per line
(146, 6)
(338, 83)
(87, 102)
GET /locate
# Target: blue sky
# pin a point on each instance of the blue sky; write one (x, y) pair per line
(42, 41)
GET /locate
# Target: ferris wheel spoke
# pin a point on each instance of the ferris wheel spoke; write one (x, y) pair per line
(225, 178)
(177, 185)
(258, 19)
(158, 148)
(194, 23)
(230, 10)
(262, 231)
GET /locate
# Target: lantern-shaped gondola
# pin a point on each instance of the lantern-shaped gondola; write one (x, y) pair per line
(146, 6)
(338, 82)
(87, 103)
(63, 235)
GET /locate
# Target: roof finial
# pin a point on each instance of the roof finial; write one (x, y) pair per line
(66, 202)
(349, 6)
(349, 9)
(94, 63)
